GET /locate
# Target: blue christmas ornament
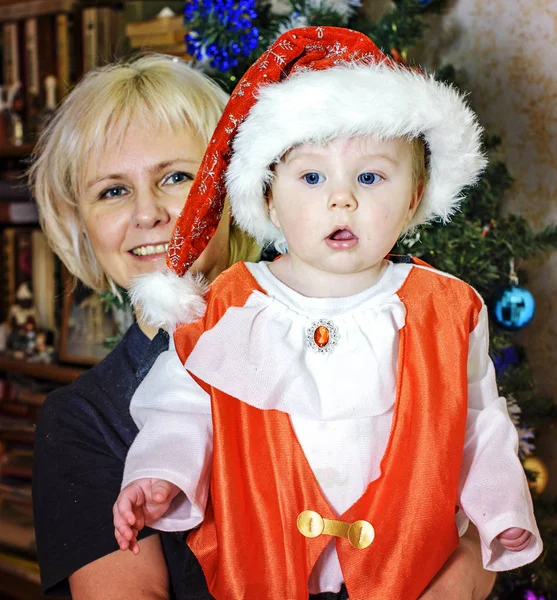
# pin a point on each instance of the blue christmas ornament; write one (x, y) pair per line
(513, 307)
(424, 2)
(221, 30)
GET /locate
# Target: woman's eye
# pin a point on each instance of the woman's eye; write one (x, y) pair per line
(369, 178)
(313, 178)
(176, 177)
(115, 191)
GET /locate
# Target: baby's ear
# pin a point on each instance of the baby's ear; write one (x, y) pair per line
(417, 195)
(271, 207)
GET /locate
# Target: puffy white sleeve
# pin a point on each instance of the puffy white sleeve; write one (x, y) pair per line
(493, 488)
(175, 439)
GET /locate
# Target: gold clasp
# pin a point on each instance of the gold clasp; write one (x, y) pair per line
(360, 533)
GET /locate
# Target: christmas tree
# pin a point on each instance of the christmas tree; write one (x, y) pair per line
(480, 246)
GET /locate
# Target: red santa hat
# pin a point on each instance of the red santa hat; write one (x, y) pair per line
(313, 84)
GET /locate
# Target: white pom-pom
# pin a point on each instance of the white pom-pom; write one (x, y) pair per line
(166, 300)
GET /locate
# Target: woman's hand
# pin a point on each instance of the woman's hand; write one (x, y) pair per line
(140, 503)
(462, 576)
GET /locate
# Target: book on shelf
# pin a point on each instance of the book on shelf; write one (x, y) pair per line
(167, 38)
(14, 401)
(14, 11)
(16, 205)
(29, 265)
(155, 26)
(16, 463)
(18, 409)
(15, 425)
(43, 280)
(18, 565)
(18, 213)
(65, 52)
(145, 10)
(40, 63)
(16, 529)
(16, 253)
(32, 84)
(14, 79)
(16, 470)
(27, 395)
(11, 53)
(47, 53)
(102, 35)
(13, 190)
(15, 493)
(89, 37)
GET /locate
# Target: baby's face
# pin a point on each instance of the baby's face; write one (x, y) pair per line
(343, 205)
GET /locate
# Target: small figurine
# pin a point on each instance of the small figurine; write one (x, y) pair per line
(22, 321)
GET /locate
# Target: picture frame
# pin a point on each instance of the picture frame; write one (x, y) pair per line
(85, 326)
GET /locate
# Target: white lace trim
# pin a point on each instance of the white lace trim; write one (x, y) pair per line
(266, 336)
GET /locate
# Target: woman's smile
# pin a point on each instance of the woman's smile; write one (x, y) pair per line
(150, 250)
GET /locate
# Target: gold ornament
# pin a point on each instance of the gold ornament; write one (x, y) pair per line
(539, 471)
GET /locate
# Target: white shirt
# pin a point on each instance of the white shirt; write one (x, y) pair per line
(327, 411)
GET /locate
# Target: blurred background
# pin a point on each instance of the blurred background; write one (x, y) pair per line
(503, 54)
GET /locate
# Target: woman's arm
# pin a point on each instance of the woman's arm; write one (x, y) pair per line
(462, 576)
(122, 575)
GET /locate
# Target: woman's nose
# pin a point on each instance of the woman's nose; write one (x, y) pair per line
(149, 210)
(343, 198)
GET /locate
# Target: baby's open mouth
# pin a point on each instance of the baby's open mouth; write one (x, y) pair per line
(342, 235)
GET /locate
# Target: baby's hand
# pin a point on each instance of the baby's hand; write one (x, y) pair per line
(514, 539)
(140, 503)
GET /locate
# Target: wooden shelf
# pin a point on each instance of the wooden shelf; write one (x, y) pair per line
(19, 578)
(16, 151)
(19, 584)
(59, 373)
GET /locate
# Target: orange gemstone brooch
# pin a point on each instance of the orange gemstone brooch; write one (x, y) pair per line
(322, 336)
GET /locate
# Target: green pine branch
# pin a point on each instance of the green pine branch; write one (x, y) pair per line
(402, 27)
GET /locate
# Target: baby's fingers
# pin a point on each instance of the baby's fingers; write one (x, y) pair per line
(134, 546)
(161, 490)
(122, 542)
(127, 543)
(125, 505)
(122, 527)
(515, 539)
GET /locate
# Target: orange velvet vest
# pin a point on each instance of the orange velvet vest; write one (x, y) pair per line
(249, 546)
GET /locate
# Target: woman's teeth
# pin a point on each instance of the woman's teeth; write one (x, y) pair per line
(146, 250)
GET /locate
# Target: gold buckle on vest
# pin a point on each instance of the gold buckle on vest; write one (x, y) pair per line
(360, 533)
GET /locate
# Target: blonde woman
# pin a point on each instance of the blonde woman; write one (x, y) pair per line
(110, 176)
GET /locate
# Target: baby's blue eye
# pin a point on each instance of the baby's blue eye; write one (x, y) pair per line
(314, 178)
(369, 178)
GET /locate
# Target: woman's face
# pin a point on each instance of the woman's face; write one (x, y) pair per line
(133, 196)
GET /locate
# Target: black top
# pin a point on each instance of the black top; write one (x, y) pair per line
(83, 435)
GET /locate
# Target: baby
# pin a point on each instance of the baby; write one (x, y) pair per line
(320, 419)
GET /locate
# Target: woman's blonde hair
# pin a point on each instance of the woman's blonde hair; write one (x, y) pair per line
(159, 90)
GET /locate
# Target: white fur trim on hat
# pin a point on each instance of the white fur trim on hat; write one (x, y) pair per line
(165, 299)
(348, 101)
